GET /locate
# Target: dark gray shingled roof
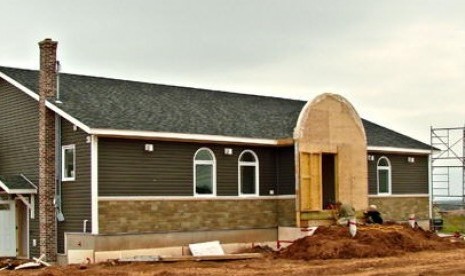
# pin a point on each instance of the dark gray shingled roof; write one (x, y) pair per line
(119, 104)
(16, 182)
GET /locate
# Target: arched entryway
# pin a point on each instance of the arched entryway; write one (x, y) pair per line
(331, 152)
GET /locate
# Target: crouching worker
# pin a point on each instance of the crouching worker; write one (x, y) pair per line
(345, 213)
(372, 215)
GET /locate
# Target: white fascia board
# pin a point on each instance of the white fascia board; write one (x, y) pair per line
(94, 183)
(398, 150)
(68, 117)
(190, 198)
(4, 187)
(19, 86)
(180, 136)
(23, 191)
(398, 195)
(29, 181)
(16, 191)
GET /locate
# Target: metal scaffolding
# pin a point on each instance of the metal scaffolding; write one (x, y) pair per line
(448, 165)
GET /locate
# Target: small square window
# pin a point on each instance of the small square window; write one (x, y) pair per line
(68, 160)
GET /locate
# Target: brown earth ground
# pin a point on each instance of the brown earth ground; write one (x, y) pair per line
(392, 250)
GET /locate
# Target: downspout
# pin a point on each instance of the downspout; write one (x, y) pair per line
(58, 157)
(297, 181)
(430, 177)
(276, 189)
(430, 187)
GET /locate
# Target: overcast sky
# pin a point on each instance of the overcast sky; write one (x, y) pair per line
(400, 63)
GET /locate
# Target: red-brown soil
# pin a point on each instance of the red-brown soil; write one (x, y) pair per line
(335, 242)
(325, 253)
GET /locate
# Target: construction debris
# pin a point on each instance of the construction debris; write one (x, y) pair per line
(39, 260)
(16, 264)
(212, 248)
(206, 251)
(142, 258)
(28, 265)
(352, 227)
(224, 257)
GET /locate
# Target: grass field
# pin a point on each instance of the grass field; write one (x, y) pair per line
(453, 222)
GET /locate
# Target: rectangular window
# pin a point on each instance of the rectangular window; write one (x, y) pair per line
(383, 181)
(68, 160)
(248, 179)
(204, 179)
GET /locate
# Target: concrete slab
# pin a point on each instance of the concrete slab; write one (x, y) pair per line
(80, 256)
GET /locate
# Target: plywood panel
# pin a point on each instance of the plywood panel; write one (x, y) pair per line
(310, 182)
(330, 124)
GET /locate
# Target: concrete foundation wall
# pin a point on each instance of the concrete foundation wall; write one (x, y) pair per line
(79, 241)
(399, 208)
(150, 216)
(286, 212)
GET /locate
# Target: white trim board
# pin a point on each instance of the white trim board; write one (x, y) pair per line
(399, 195)
(16, 191)
(94, 183)
(68, 117)
(397, 150)
(190, 198)
(181, 136)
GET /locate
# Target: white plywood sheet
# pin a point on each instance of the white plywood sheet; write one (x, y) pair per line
(206, 248)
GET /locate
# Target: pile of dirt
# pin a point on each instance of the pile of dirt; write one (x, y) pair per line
(335, 242)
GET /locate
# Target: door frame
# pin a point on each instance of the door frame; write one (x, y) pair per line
(27, 226)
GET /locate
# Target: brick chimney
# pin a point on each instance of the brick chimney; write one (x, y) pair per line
(47, 88)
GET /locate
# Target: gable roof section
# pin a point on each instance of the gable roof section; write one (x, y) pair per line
(17, 184)
(103, 103)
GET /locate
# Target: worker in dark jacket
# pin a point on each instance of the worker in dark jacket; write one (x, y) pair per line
(372, 215)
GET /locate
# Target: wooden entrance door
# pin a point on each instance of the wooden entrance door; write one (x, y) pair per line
(310, 182)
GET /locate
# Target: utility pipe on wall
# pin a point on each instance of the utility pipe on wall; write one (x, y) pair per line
(84, 225)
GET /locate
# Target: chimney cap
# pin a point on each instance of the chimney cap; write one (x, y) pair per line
(47, 41)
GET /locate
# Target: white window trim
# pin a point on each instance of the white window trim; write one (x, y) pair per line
(385, 168)
(250, 164)
(204, 162)
(63, 149)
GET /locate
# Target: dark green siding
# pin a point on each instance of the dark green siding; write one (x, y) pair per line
(407, 178)
(76, 198)
(19, 143)
(125, 169)
(286, 171)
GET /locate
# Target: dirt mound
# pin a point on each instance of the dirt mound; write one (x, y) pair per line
(335, 242)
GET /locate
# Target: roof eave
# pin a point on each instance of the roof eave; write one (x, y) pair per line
(186, 137)
(17, 191)
(398, 150)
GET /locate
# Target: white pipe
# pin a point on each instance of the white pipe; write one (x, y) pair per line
(84, 225)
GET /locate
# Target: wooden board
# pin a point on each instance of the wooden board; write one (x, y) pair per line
(226, 257)
(310, 182)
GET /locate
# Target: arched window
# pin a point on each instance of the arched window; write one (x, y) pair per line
(248, 173)
(204, 173)
(384, 175)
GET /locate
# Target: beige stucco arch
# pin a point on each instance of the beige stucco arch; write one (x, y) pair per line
(330, 125)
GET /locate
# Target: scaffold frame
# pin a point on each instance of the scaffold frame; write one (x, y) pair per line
(447, 173)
